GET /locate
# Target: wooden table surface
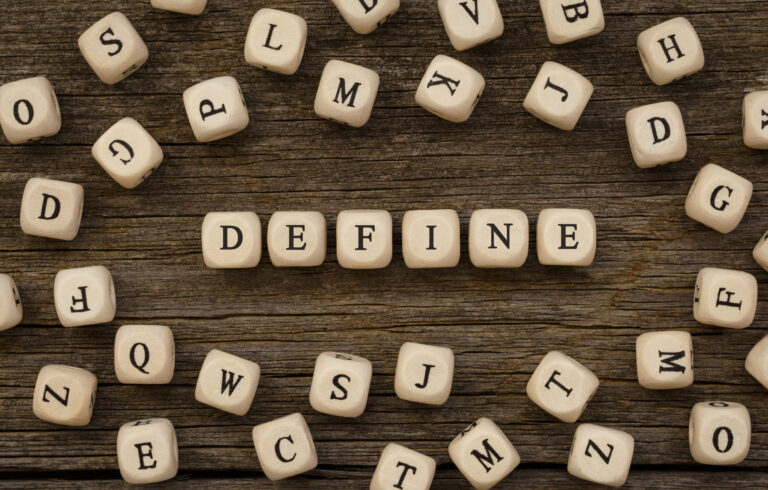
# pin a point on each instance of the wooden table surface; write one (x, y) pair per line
(498, 322)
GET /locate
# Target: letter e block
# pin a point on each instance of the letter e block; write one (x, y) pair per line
(285, 447)
(755, 119)
(561, 386)
(227, 382)
(558, 96)
(52, 208)
(670, 51)
(400, 467)
(471, 23)
(569, 20)
(656, 134)
(29, 110)
(450, 89)
(346, 93)
(364, 16)
(725, 298)
(718, 198)
(424, 373)
(128, 153)
(144, 354)
(84, 296)
(231, 240)
(147, 451)
(664, 360)
(498, 238)
(113, 48)
(64, 395)
(364, 239)
(297, 239)
(11, 311)
(276, 41)
(566, 237)
(340, 384)
(601, 455)
(431, 238)
(483, 454)
(719, 433)
(216, 109)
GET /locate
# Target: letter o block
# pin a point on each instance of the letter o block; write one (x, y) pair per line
(216, 109)
(227, 382)
(483, 454)
(719, 433)
(431, 238)
(656, 134)
(285, 447)
(561, 386)
(566, 237)
(144, 354)
(670, 51)
(568, 21)
(346, 93)
(364, 16)
(725, 298)
(297, 239)
(601, 455)
(52, 208)
(128, 153)
(718, 198)
(11, 311)
(147, 451)
(64, 395)
(231, 240)
(664, 360)
(340, 384)
(400, 467)
(190, 7)
(450, 89)
(113, 48)
(84, 296)
(29, 110)
(558, 96)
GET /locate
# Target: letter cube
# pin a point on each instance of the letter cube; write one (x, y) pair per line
(755, 119)
(561, 386)
(471, 23)
(11, 311)
(113, 48)
(757, 361)
(364, 16)
(719, 433)
(84, 296)
(498, 238)
(760, 252)
(144, 354)
(718, 198)
(656, 134)
(558, 96)
(483, 454)
(724, 297)
(231, 240)
(64, 395)
(431, 238)
(216, 109)
(664, 360)
(29, 110)
(147, 451)
(400, 467)
(566, 237)
(340, 384)
(346, 93)
(297, 239)
(424, 373)
(227, 382)
(569, 20)
(450, 89)
(128, 153)
(285, 447)
(670, 51)
(601, 455)
(276, 41)
(52, 208)
(364, 239)
(191, 7)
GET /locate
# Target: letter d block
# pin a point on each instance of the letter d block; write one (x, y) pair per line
(340, 384)
(147, 451)
(144, 354)
(84, 296)
(725, 298)
(450, 89)
(483, 454)
(11, 311)
(64, 395)
(400, 467)
(719, 433)
(113, 48)
(566, 237)
(285, 447)
(670, 51)
(718, 198)
(29, 110)
(52, 208)
(216, 109)
(231, 240)
(227, 382)
(346, 93)
(601, 455)
(561, 386)
(656, 134)
(558, 96)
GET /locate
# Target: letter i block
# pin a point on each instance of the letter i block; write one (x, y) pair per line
(400, 467)
(29, 110)
(424, 373)
(664, 360)
(566, 237)
(364, 16)
(757, 361)
(231, 240)
(11, 311)
(340, 384)
(285, 447)
(227, 382)
(670, 51)
(601, 455)
(755, 119)
(84, 296)
(64, 395)
(719, 433)
(144, 354)
(431, 238)
(346, 93)
(450, 89)
(498, 238)
(569, 20)
(364, 239)
(656, 134)
(216, 109)
(297, 239)
(725, 298)
(128, 153)
(718, 198)
(472, 23)
(561, 386)
(558, 96)
(483, 454)
(113, 48)
(147, 451)
(52, 208)
(276, 41)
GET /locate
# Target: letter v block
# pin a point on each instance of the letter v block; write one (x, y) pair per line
(64, 395)
(346, 93)
(51, 208)
(483, 454)
(601, 455)
(558, 96)
(561, 386)
(450, 89)
(216, 109)
(340, 384)
(470, 23)
(231, 240)
(227, 382)
(147, 451)
(656, 134)
(726, 298)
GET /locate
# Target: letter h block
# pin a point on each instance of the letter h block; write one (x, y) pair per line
(231, 240)
(340, 384)
(670, 51)
(561, 386)
(144, 354)
(113, 48)
(719, 433)
(718, 198)
(726, 298)
(227, 382)
(566, 237)
(64, 395)
(483, 454)
(403, 468)
(284, 447)
(216, 109)
(601, 455)
(84, 296)
(51, 208)
(147, 451)
(656, 134)
(346, 93)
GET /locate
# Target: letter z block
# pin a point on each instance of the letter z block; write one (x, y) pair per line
(483, 454)
(601, 455)
(227, 382)
(52, 208)
(561, 386)
(364, 16)
(718, 198)
(285, 447)
(725, 298)
(147, 451)
(64, 395)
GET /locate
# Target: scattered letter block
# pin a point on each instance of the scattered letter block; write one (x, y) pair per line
(29, 110)
(340, 384)
(285, 447)
(191, 7)
(601, 455)
(656, 134)
(52, 208)
(498, 238)
(725, 298)
(450, 89)
(718, 198)
(483, 454)
(276, 41)
(364, 16)
(569, 20)
(11, 311)
(664, 360)
(144, 354)
(297, 239)
(216, 109)
(566, 237)
(719, 433)
(471, 23)
(231, 240)
(64, 395)
(431, 238)
(424, 373)
(147, 451)
(757, 361)
(128, 153)
(558, 96)
(346, 93)
(113, 48)
(670, 51)
(84, 296)
(755, 120)
(364, 239)
(760, 252)
(227, 382)
(561, 386)
(400, 467)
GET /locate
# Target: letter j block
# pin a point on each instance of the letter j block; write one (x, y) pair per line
(424, 373)
(216, 109)
(558, 96)
(52, 208)
(670, 51)
(147, 451)
(84, 296)
(718, 198)
(725, 298)
(566, 237)
(561, 386)
(656, 134)
(483, 454)
(601, 455)
(346, 93)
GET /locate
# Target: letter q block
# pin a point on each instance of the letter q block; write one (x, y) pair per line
(656, 134)
(11, 311)
(84, 296)
(144, 354)
(561, 386)
(216, 109)
(29, 110)
(285, 447)
(719, 433)
(147, 451)
(340, 384)
(400, 467)
(52, 208)
(483, 454)
(601, 455)
(718, 198)
(64, 395)
(726, 298)
(113, 48)
(566, 237)
(231, 240)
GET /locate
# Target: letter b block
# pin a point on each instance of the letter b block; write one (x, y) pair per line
(561, 386)
(285, 447)
(144, 354)
(297, 239)
(64, 395)
(569, 20)
(566, 237)
(718, 198)
(403, 468)
(450, 89)
(216, 109)
(719, 433)
(431, 238)
(231, 240)
(52, 208)
(113, 48)
(725, 298)
(483, 454)
(664, 360)
(656, 134)
(227, 382)
(670, 51)
(11, 311)
(29, 110)
(424, 373)
(601, 455)
(346, 93)
(128, 153)
(340, 384)
(147, 451)
(84, 296)
(558, 96)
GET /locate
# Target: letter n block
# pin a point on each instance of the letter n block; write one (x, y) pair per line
(718, 198)
(725, 298)
(64, 395)
(227, 382)
(285, 447)
(601, 455)
(400, 467)
(561, 386)
(483, 454)
(52, 208)
(147, 451)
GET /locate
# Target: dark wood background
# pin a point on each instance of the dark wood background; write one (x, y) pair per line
(499, 322)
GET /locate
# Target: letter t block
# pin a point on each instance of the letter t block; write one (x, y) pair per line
(561, 386)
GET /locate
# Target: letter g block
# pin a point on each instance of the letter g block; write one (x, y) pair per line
(52, 208)
(718, 198)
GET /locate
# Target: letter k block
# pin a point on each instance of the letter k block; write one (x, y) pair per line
(562, 386)
(450, 89)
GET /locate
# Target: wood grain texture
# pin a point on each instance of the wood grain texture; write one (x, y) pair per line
(499, 322)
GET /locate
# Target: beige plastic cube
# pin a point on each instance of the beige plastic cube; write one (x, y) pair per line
(403, 468)
(760, 252)
(471, 23)
(11, 311)
(483, 454)
(656, 134)
(113, 48)
(431, 238)
(755, 119)
(144, 354)
(718, 198)
(227, 382)
(558, 96)
(364, 239)
(29, 110)
(670, 51)
(346, 93)
(570, 20)
(231, 240)
(757, 362)
(128, 153)
(498, 238)
(190, 7)
(52, 208)
(147, 451)
(285, 447)
(424, 373)
(601, 455)
(64, 395)
(364, 16)
(664, 360)
(297, 239)
(276, 40)
(216, 109)
(340, 384)
(450, 89)
(566, 237)
(84, 296)
(719, 433)
(561, 386)
(725, 298)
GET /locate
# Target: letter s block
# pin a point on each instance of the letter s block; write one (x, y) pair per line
(566, 237)
(284, 447)
(400, 467)
(227, 382)
(52, 208)
(84, 296)
(601, 455)
(558, 96)
(231, 240)
(719, 433)
(724, 297)
(144, 354)
(346, 93)
(29, 110)
(562, 386)
(450, 89)
(718, 198)
(670, 51)
(340, 384)
(569, 20)
(147, 451)
(11, 311)
(113, 48)
(656, 134)
(127, 152)
(216, 109)
(483, 454)
(64, 395)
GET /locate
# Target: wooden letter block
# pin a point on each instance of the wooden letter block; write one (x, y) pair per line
(601, 455)
(719, 433)
(483, 454)
(757, 361)
(29, 110)
(498, 238)
(364, 16)
(403, 468)
(11, 311)
(276, 41)
(285, 447)
(471, 23)
(340, 384)
(346, 93)
(191, 7)
(52, 208)
(718, 198)
(64, 395)
(364, 239)
(297, 239)
(760, 252)
(128, 153)
(424, 373)
(569, 20)
(725, 298)
(84, 296)
(147, 451)
(450, 89)
(566, 237)
(144, 354)
(664, 360)
(113, 48)
(431, 238)
(558, 96)
(216, 109)
(755, 120)
(656, 134)
(231, 240)
(227, 382)
(670, 51)
(561, 386)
